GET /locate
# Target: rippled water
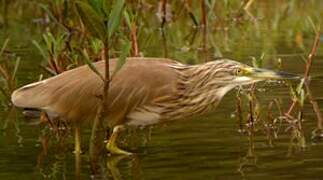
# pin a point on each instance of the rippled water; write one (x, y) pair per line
(209, 147)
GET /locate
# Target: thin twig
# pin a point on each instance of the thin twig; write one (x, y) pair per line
(312, 100)
(315, 105)
(248, 4)
(239, 110)
(134, 40)
(187, 5)
(164, 12)
(4, 73)
(203, 9)
(251, 104)
(97, 134)
(311, 55)
(291, 108)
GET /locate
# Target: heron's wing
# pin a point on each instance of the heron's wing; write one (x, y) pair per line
(138, 84)
(76, 93)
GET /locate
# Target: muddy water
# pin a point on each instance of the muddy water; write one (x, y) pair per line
(209, 147)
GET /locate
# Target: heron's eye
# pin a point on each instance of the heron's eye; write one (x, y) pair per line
(239, 71)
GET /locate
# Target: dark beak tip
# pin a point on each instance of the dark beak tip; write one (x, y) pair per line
(290, 76)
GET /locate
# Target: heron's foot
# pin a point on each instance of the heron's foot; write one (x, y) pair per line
(113, 149)
(111, 145)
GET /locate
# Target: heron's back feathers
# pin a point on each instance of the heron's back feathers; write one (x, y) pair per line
(75, 94)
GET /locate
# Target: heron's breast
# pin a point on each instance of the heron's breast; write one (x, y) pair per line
(144, 116)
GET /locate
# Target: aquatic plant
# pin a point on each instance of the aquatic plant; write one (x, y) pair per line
(73, 33)
(8, 72)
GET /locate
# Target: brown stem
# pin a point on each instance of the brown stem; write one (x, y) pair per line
(164, 43)
(251, 104)
(270, 123)
(314, 103)
(4, 73)
(203, 9)
(248, 4)
(187, 5)
(134, 40)
(9, 80)
(164, 4)
(204, 30)
(52, 64)
(307, 83)
(97, 134)
(251, 112)
(204, 43)
(311, 55)
(5, 12)
(105, 55)
(291, 108)
(277, 103)
(270, 116)
(239, 110)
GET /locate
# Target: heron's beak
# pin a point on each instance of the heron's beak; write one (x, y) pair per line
(263, 74)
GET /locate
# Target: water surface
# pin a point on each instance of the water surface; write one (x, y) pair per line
(209, 147)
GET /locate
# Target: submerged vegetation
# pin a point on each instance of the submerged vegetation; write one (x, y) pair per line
(66, 34)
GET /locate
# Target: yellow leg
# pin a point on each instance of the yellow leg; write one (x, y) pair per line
(111, 145)
(147, 135)
(77, 145)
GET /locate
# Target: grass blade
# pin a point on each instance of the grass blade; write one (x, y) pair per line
(91, 19)
(115, 16)
(41, 50)
(122, 58)
(16, 68)
(50, 14)
(90, 64)
(4, 46)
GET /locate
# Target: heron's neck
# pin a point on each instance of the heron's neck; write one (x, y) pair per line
(203, 80)
(197, 90)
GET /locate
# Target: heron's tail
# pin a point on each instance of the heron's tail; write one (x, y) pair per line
(30, 96)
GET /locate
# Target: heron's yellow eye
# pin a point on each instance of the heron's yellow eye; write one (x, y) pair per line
(239, 71)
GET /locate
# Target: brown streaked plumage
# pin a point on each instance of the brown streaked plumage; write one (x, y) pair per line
(74, 95)
(144, 91)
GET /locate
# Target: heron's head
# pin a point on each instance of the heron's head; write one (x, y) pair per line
(229, 74)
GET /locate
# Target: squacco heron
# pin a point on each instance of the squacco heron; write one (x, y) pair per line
(143, 92)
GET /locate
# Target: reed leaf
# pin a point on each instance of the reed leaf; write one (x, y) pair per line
(91, 66)
(124, 53)
(40, 49)
(106, 7)
(127, 18)
(5, 44)
(115, 16)
(4, 93)
(91, 19)
(16, 68)
(96, 4)
(51, 16)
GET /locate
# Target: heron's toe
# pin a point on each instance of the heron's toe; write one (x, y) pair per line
(113, 149)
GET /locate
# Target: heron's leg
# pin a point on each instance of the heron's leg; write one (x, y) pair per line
(147, 137)
(111, 145)
(77, 136)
